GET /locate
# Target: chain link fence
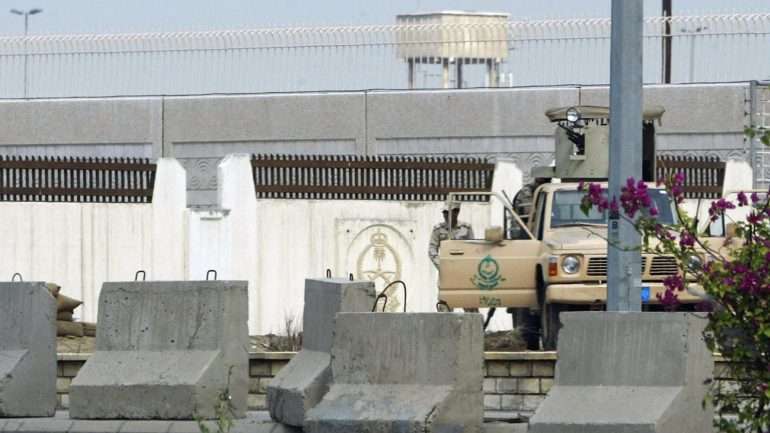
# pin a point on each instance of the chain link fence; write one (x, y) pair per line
(502, 53)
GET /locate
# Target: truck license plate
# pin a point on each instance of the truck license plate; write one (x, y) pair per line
(645, 294)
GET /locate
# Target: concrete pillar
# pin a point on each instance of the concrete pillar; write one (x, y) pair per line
(240, 250)
(629, 371)
(403, 372)
(166, 350)
(169, 205)
(508, 179)
(27, 350)
(739, 176)
(300, 385)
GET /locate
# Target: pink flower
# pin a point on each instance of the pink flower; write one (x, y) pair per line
(669, 300)
(742, 199)
(755, 218)
(675, 185)
(614, 208)
(686, 239)
(674, 283)
(718, 208)
(635, 197)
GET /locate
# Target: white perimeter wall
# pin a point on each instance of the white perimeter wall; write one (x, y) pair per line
(81, 245)
(273, 244)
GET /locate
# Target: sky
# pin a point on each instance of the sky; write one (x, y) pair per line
(132, 16)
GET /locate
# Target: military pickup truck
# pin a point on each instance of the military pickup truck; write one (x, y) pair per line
(554, 258)
(557, 262)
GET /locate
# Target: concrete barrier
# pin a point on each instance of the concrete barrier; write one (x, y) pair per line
(27, 350)
(403, 372)
(300, 385)
(166, 350)
(634, 372)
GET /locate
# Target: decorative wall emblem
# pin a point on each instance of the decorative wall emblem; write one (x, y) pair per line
(379, 262)
(488, 276)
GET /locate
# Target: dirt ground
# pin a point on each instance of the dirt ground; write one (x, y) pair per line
(504, 341)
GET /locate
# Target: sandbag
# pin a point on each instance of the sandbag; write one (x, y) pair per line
(65, 303)
(89, 329)
(64, 315)
(53, 288)
(64, 329)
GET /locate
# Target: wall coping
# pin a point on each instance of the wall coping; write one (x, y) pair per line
(285, 356)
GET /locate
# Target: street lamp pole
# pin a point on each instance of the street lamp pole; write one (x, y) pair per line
(26, 15)
(624, 263)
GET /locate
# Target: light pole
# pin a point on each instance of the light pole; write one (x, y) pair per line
(693, 35)
(623, 265)
(666, 48)
(26, 15)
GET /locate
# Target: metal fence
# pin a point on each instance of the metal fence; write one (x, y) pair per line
(760, 121)
(83, 180)
(513, 53)
(356, 177)
(704, 175)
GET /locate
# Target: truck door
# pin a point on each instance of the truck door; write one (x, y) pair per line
(487, 273)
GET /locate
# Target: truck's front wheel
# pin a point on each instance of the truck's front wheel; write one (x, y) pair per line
(550, 324)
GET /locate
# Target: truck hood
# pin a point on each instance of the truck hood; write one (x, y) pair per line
(582, 238)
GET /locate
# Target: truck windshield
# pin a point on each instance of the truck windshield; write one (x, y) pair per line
(565, 209)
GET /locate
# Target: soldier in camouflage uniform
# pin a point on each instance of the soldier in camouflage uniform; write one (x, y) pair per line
(460, 230)
(440, 232)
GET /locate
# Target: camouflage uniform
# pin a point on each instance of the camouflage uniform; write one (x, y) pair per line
(441, 233)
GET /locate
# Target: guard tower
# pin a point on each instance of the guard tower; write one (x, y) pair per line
(581, 147)
(453, 38)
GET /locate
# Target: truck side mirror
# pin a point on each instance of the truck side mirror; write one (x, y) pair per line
(493, 234)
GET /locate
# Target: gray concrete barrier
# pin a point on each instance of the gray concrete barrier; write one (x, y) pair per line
(166, 350)
(631, 372)
(27, 350)
(403, 372)
(300, 385)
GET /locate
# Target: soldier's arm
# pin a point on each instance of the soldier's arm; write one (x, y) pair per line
(433, 248)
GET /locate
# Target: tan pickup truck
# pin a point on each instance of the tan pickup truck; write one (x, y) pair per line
(556, 262)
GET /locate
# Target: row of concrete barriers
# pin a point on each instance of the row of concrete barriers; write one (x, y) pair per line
(175, 350)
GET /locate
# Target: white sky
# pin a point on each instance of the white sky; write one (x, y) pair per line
(109, 16)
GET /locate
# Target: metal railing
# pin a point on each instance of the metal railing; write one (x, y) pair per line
(82, 180)
(515, 53)
(704, 175)
(357, 177)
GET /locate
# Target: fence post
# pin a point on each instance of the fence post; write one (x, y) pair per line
(236, 194)
(169, 221)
